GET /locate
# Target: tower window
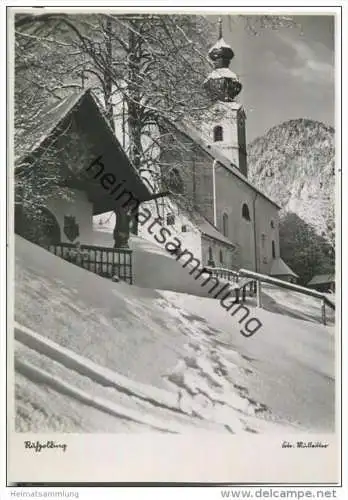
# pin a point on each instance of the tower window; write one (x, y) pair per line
(245, 212)
(218, 134)
(273, 250)
(225, 224)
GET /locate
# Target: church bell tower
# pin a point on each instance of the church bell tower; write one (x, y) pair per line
(225, 121)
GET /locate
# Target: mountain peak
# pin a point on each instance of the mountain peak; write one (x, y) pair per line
(294, 163)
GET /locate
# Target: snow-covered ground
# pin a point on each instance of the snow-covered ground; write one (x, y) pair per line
(296, 305)
(155, 268)
(173, 347)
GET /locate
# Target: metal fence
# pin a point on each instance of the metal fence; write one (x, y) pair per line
(227, 274)
(240, 284)
(245, 278)
(104, 261)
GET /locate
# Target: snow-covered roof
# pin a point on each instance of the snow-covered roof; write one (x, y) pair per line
(45, 123)
(204, 226)
(321, 279)
(280, 268)
(222, 73)
(208, 229)
(219, 44)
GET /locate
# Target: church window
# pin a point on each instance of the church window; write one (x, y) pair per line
(175, 183)
(210, 257)
(225, 224)
(170, 220)
(218, 134)
(245, 212)
(263, 239)
(273, 250)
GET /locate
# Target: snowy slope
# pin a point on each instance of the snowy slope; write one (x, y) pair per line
(154, 267)
(175, 346)
(291, 365)
(149, 258)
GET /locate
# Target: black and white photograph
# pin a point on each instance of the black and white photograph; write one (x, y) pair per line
(174, 209)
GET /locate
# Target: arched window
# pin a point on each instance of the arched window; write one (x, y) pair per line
(225, 224)
(221, 257)
(273, 250)
(245, 212)
(210, 257)
(38, 225)
(175, 182)
(218, 134)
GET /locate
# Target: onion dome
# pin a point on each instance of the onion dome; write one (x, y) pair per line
(222, 83)
(221, 54)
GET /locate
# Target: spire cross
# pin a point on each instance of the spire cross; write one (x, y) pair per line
(220, 27)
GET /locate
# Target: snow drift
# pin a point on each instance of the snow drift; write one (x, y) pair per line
(173, 347)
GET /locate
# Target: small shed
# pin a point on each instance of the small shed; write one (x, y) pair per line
(282, 271)
(323, 283)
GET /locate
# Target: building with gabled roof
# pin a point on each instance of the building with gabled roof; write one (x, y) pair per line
(74, 143)
(322, 282)
(282, 271)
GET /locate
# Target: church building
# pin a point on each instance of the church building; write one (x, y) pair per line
(231, 224)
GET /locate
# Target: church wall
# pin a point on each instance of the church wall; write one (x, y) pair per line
(266, 212)
(78, 207)
(231, 194)
(195, 169)
(216, 248)
(203, 182)
(182, 228)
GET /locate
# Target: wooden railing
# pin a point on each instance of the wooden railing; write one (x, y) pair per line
(262, 278)
(245, 278)
(104, 261)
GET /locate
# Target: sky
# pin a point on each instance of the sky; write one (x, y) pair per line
(286, 73)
